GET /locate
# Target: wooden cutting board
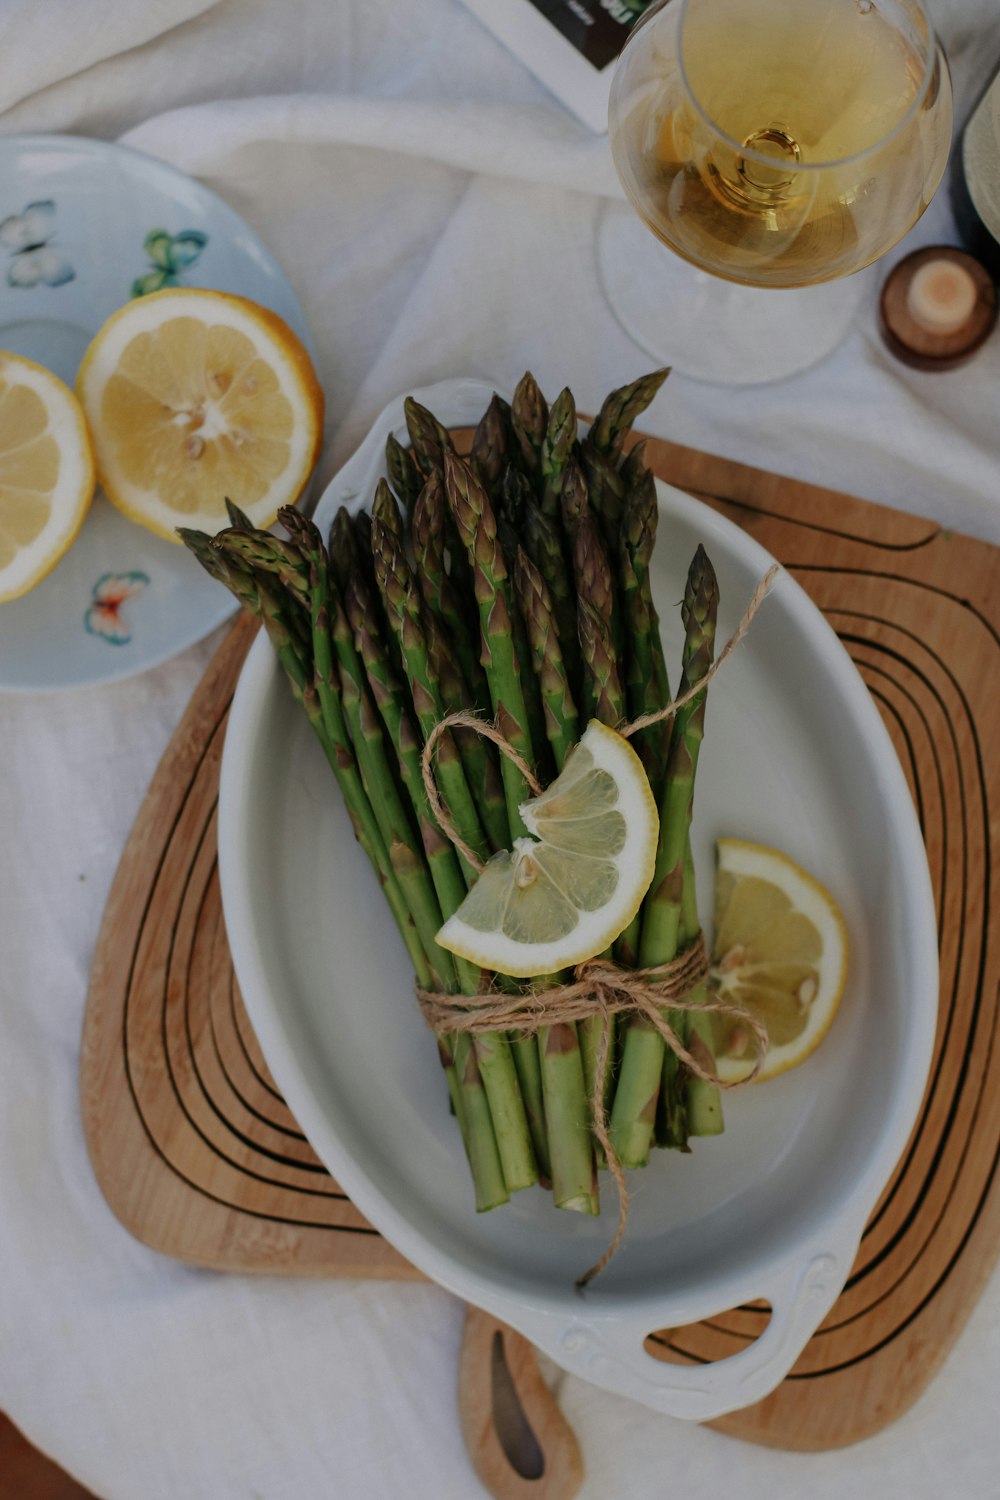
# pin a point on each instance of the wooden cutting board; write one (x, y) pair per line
(197, 1153)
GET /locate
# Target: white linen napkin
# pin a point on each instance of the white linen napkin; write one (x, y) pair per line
(40, 44)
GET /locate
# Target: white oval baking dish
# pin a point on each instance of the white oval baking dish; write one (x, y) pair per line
(796, 756)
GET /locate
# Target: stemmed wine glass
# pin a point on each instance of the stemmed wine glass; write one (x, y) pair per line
(773, 144)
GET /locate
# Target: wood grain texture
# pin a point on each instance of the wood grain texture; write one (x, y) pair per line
(27, 1474)
(193, 1146)
(197, 1153)
(919, 611)
(517, 1439)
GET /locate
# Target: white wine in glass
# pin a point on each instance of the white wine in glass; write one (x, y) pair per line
(775, 144)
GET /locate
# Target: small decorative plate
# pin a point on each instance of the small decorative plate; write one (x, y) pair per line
(84, 226)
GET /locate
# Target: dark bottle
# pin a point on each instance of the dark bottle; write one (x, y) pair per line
(975, 181)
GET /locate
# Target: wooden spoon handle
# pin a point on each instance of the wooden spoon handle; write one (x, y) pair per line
(519, 1442)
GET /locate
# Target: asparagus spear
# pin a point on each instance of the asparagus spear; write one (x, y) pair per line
(603, 696)
(389, 695)
(543, 544)
(260, 550)
(516, 498)
(250, 557)
(529, 416)
(562, 724)
(443, 631)
(492, 447)
(392, 702)
(634, 1112)
(647, 689)
(484, 1137)
(477, 530)
(516, 493)
(482, 771)
(492, 1134)
(360, 527)
(331, 633)
(703, 1099)
(478, 1131)
(606, 489)
(350, 553)
(430, 441)
(403, 606)
(619, 410)
(427, 535)
(405, 478)
(633, 466)
(330, 730)
(557, 447)
(386, 509)
(639, 525)
(567, 1110)
(647, 684)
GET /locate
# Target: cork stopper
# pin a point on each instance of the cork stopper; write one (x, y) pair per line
(941, 296)
(938, 305)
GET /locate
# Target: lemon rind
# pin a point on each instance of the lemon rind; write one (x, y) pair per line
(810, 896)
(74, 490)
(292, 366)
(526, 960)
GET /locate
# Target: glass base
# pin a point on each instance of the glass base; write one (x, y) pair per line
(714, 330)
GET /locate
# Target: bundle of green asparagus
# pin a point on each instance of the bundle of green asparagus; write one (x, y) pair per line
(513, 582)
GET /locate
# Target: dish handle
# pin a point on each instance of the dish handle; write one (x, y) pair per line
(610, 1351)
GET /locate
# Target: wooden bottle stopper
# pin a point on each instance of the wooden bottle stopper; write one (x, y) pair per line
(937, 307)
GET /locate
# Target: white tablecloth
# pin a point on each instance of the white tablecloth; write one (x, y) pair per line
(435, 210)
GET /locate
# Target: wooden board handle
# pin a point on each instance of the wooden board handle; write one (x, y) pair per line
(519, 1442)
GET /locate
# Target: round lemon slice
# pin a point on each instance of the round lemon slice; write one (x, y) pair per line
(194, 396)
(565, 894)
(779, 951)
(46, 473)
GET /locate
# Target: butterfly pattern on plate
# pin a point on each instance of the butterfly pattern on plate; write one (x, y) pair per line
(33, 258)
(170, 254)
(104, 615)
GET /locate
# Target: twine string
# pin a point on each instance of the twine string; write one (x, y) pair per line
(667, 712)
(465, 719)
(599, 987)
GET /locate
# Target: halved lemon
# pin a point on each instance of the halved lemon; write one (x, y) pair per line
(46, 473)
(565, 894)
(193, 396)
(779, 951)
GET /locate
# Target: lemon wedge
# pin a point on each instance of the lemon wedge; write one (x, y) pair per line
(566, 893)
(46, 473)
(193, 396)
(779, 951)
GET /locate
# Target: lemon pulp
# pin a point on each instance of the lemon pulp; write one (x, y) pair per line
(46, 473)
(779, 951)
(566, 893)
(194, 396)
